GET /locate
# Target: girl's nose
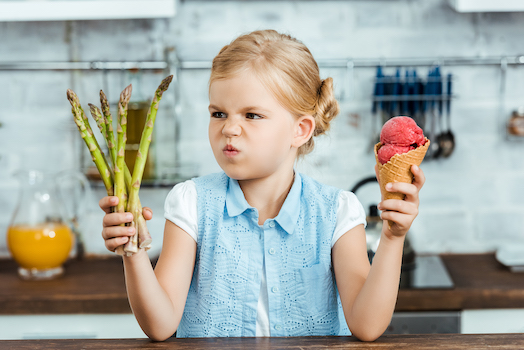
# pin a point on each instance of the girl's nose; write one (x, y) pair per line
(231, 127)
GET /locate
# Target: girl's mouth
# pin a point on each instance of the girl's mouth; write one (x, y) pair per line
(230, 151)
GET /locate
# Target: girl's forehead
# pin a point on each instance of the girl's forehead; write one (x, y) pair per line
(242, 84)
(241, 92)
(232, 75)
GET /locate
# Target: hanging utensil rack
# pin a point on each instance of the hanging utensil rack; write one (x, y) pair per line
(326, 63)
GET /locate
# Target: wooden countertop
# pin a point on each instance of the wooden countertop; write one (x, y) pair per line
(481, 282)
(88, 286)
(405, 342)
(97, 286)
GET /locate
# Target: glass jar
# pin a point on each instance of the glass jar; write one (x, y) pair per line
(39, 236)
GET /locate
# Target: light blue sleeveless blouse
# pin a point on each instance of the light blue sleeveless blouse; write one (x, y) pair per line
(232, 248)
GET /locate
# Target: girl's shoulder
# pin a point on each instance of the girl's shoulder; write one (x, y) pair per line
(182, 191)
(317, 188)
(189, 188)
(211, 181)
(346, 199)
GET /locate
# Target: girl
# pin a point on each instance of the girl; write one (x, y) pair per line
(258, 249)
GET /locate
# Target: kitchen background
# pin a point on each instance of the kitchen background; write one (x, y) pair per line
(472, 200)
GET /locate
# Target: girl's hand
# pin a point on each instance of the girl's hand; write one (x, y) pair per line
(114, 234)
(401, 213)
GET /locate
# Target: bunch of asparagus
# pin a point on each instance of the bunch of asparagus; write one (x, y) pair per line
(117, 177)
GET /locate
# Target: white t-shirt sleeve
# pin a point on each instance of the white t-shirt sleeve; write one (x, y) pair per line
(350, 213)
(181, 207)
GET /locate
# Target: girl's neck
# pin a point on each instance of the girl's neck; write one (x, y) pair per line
(267, 194)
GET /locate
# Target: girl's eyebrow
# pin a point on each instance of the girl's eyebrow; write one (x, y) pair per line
(244, 110)
(254, 108)
(213, 107)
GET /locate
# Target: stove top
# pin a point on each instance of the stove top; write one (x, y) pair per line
(428, 271)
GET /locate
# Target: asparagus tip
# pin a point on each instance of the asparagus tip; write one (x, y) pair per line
(126, 94)
(165, 83)
(94, 108)
(71, 96)
(103, 98)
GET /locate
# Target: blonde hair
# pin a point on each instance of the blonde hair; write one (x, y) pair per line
(287, 68)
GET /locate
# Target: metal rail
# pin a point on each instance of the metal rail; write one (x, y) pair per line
(94, 65)
(328, 63)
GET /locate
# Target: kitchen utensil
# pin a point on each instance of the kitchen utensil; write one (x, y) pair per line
(447, 142)
(377, 106)
(439, 103)
(516, 122)
(39, 236)
(431, 94)
(410, 81)
(396, 95)
(388, 94)
(418, 114)
(405, 95)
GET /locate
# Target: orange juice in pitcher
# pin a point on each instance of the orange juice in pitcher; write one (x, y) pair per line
(39, 237)
(40, 247)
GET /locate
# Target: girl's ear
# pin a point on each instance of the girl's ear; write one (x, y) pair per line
(304, 127)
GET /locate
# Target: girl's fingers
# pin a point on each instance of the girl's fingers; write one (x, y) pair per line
(395, 205)
(410, 190)
(115, 219)
(418, 176)
(147, 213)
(115, 236)
(113, 243)
(117, 231)
(401, 220)
(107, 202)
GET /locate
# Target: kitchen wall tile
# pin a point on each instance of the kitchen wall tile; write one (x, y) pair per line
(444, 231)
(511, 188)
(34, 41)
(497, 227)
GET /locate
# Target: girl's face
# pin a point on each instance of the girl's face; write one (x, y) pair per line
(251, 134)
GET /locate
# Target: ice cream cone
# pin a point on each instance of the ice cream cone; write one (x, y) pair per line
(398, 168)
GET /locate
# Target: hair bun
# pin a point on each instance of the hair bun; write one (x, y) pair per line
(326, 108)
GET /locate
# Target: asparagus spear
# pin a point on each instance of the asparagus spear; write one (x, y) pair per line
(99, 119)
(109, 127)
(140, 161)
(89, 139)
(120, 187)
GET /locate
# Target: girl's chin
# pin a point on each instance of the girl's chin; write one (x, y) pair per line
(233, 173)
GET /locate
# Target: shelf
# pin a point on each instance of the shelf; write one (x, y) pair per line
(32, 10)
(487, 5)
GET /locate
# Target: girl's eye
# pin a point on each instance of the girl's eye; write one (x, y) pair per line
(253, 116)
(218, 115)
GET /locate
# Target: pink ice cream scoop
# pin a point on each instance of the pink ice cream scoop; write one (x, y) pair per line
(399, 135)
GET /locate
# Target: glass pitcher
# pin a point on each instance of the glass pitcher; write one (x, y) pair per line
(39, 236)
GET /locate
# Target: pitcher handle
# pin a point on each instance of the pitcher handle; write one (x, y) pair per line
(79, 204)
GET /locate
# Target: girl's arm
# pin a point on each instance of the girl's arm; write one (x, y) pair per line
(369, 294)
(157, 297)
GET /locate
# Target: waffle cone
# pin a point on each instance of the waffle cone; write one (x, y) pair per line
(398, 168)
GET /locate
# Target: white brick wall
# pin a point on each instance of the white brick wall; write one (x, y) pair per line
(471, 202)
